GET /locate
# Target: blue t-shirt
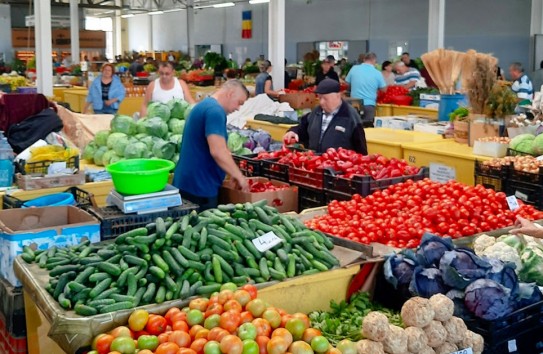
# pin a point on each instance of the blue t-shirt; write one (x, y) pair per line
(365, 80)
(197, 172)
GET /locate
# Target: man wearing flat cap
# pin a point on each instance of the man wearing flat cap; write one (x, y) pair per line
(333, 124)
(326, 70)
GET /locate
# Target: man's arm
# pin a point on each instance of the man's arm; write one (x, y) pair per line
(146, 99)
(359, 140)
(222, 156)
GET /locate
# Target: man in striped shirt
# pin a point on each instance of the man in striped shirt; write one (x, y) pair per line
(522, 85)
(406, 76)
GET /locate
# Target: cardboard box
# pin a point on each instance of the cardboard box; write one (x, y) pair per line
(42, 228)
(300, 100)
(28, 182)
(433, 128)
(429, 101)
(481, 127)
(284, 200)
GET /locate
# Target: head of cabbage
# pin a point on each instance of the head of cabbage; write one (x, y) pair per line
(123, 124)
(101, 137)
(177, 126)
(523, 143)
(158, 109)
(156, 127)
(113, 138)
(177, 108)
(88, 151)
(99, 154)
(137, 150)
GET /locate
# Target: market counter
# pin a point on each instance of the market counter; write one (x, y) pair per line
(385, 110)
(388, 142)
(276, 130)
(446, 159)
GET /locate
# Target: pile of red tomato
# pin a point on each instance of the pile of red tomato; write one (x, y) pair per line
(388, 95)
(256, 186)
(346, 162)
(233, 321)
(400, 214)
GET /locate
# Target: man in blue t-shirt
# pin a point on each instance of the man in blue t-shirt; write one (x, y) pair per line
(365, 80)
(204, 159)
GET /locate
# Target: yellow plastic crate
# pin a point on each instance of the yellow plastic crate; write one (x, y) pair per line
(383, 110)
(311, 292)
(276, 130)
(76, 99)
(416, 111)
(130, 105)
(389, 142)
(457, 157)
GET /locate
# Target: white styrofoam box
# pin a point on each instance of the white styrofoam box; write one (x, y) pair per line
(429, 101)
(489, 148)
(433, 128)
(397, 122)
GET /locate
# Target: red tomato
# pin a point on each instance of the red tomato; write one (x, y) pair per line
(156, 324)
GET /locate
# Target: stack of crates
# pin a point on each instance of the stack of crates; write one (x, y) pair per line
(12, 319)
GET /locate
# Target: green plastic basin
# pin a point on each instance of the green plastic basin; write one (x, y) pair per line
(140, 176)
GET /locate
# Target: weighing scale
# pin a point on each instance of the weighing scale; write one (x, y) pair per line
(146, 203)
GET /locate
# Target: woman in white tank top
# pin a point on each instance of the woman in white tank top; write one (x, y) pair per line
(165, 88)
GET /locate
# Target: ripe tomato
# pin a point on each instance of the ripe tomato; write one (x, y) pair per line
(309, 334)
(121, 331)
(251, 289)
(180, 326)
(284, 333)
(138, 320)
(181, 338)
(102, 343)
(167, 348)
(242, 296)
(169, 314)
(232, 305)
(199, 304)
(277, 345)
(213, 308)
(231, 345)
(217, 334)
(263, 327)
(156, 324)
(185, 351)
(262, 342)
(225, 295)
(195, 329)
(246, 317)
(230, 320)
(198, 345)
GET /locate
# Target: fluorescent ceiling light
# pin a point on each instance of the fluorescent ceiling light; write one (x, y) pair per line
(203, 7)
(155, 13)
(172, 10)
(252, 2)
(127, 15)
(224, 4)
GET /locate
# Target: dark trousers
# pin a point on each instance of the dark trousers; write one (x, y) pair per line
(204, 202)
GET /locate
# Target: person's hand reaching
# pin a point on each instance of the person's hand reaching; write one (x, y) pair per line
(241, 184)
(526, 227)
(290, 138)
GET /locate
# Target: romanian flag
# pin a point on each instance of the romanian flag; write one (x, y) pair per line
(246, 24)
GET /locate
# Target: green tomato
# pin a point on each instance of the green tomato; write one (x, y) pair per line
(320, 344)
(124, 345)
(250, 347)
(212, 321)
(247, 331)
(148, 342)
(229, 286)
(212, 347)
(195, 317)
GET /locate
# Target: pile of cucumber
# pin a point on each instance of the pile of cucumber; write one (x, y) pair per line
(175, 259)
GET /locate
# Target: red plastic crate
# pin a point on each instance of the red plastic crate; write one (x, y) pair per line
(300, 176)
(9, 344)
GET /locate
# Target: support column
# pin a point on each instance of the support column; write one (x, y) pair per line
(150, 34)
(436, 24)
(117, 34)
(74, 31)
(276, 42)
(536, 27)
(190, 30)
(44, 60)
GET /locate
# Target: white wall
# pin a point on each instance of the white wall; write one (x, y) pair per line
(498, 26)
(5, 33)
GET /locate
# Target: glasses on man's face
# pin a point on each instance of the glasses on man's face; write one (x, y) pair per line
(162, 73)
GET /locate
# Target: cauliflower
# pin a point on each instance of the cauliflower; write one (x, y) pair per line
(416, 339)
(436, 333)
(482, 243)
(504, 253)
(375, 326)
(443, 307)
(446, 348)
(417, 312)
(366, 346)
(395, 341)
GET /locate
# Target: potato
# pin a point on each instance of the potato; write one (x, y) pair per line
(395, 341)
(436, 333)
(417, 312)
(443, 307)
(416, 339)
(375, 326)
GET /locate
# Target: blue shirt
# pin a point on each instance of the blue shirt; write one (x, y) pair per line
(197, 172)
(365, 80)
(116, 90)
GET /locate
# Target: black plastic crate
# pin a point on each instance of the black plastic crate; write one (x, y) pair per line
(529, 193)
(40, 167)
(84, 199)
(114, 222)
(12, 308)
(301, 177)
(273, 170)
(527, 177)
(493, 177)
(310, 198)
(512, 152)
(248, 164)
(490, 182)
(344, 188)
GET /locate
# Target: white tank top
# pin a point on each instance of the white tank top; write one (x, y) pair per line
(161, 95)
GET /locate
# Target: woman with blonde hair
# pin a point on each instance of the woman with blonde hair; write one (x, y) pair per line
(106, 92)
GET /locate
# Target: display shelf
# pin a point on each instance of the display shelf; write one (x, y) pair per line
(388, 142)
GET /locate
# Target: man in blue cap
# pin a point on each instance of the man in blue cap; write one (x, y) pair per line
(334, 123)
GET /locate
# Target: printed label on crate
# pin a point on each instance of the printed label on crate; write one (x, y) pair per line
(512, 345)
(512, 201)
(521, 196)
(442, 173)
(464, 351)
(267, 241)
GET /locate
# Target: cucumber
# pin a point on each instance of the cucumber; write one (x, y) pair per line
(121, 281)
(138, 295)
(198, 266)
(160, 294)
(149, 294)
(110, 268)
(217, 271)
(101, 302)
(185, 290)
(62, 282)
(124, 305)
(171, 230)
(277, 275)
(208, 289)
(194, 287)
(203, 239)
(170, 261)
(157, 272)
(262, 216)
(264, 270)
(132, 284)
(76, 286)
(84, 310)
(187, 237)
(252, 248)
(179, 257)
(160, 227)
(121, 298)
(141, 231)
(135, 260)
(188, 254)
(64, 302)
(63, 269)
(146, 239)
(107, 293)
(184, 223)
(170, 284)
(159, 262)
(216, 241)
(100, 287)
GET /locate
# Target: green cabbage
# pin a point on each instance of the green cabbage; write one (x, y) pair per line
(120, 145)
(157, 109)
(98, 155)
(113, 138)
(88, 151)
(156, 127)
(135, 151)
(177, 108)
(101, 137)
(177, 126)
(149, 141)
(108, 156)
(140, 126)
(123, 124)
(235, 142)
(140, 136)
(176, 139)
(163, 149)
(537, 145)
(175, 158)
(523, 143)
(115, 158)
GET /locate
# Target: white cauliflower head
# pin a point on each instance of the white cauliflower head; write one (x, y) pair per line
(504, 253)
(482, 243)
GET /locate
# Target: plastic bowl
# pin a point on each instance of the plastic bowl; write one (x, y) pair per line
(402, 100)
(56, 199)
(140, 176)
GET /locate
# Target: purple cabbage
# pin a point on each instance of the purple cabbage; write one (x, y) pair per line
(460, 310)
(262, 138)
(427, 282)
(398, 270)
(250, 144)
(504, 274)
(488, 300)
(528, 294)
(461, 267)
(432, 248)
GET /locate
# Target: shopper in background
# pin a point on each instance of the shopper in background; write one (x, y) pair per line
(287, 75)
(204, 159)
(327, 71)
(171, 57)
(406, 76)
(264, 83)
(136, 66)
(388, 75)
(333, 124)
(522, 85)
(365, 80)
(165, 88)
(406, 59)
(537, 78)
(105, 93)
(247, 63)
(361, 57)
(526, 227)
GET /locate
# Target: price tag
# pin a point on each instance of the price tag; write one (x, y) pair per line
(512, 345)
(442, 173)
(521, 196)
(512, 202)
(266, 241)
(464, 351)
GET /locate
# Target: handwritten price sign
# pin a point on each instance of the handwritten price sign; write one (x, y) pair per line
(266, 241)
